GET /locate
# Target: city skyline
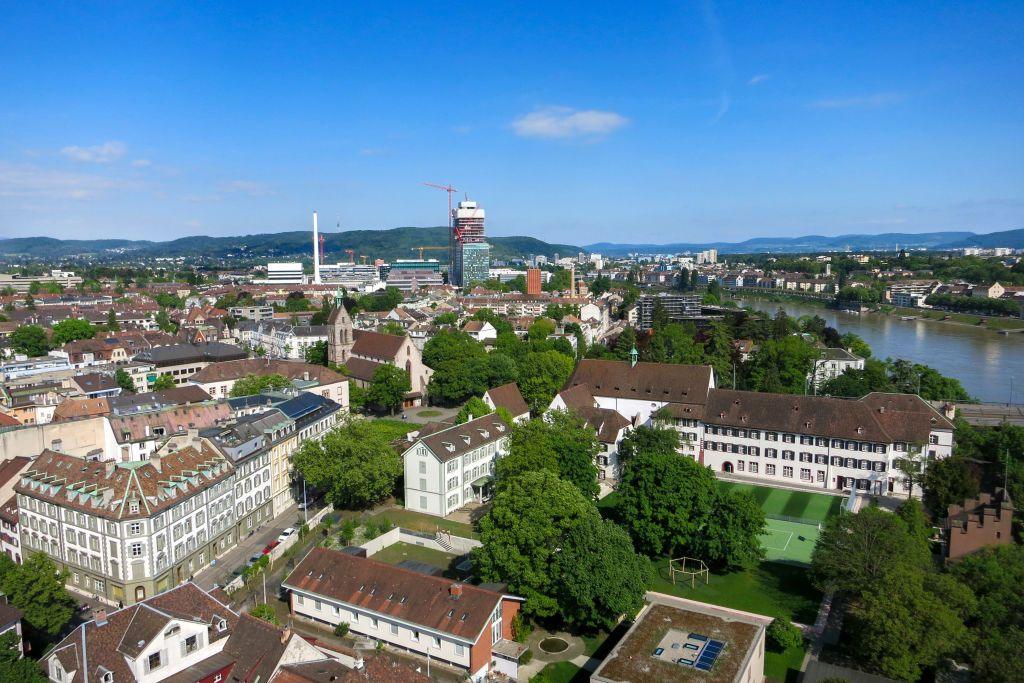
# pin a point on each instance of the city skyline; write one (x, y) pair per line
(697, 122)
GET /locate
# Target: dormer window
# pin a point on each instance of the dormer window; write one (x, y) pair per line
(107, 677)
(172, 631)
(222, 625)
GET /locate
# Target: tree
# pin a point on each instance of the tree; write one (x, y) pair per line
(266, 613)
(389, 387)
(855, 345)
(460, 366)
(392, 328)
(316, 353)
(124, 380)
(162, 383)
(523, 531)
(782, 365)
(36, 587)
(948, 481)
(112, 324)
(659, 315)
(474, 407)
(673, 505)
(446, 318)
(561, 442)
(254, 384)
(645, 439)
(542, 328)
(782, 635)
(541, 375)
(854, 383)
(855, 553)
(15, 668)
(30, 340)
(354, 464)
(600, 576)
(164, 322)
(501, 369)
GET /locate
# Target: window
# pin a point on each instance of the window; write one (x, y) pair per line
(108, 677)
(423, 467)
(769, 469)
(190, 645)
(753, 468)
(423, 502)
(787, 472)
(788, 455)
(136, 549)
(821, 476)
(415, 636)
(739, 465)
(222, 625)
(460, 649)
(135, 528)
(153, 661)
(805, 474)
(394, 628)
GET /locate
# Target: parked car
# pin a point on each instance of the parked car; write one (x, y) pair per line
(285, 534)
(271, 546)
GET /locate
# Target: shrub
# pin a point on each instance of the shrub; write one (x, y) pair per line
(783, 635)
(520, 628)
(266, 613)
(341, 630)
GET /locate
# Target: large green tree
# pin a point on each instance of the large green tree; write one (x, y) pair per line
(671, 505)
(474, 407)
(523, 531)
(13, 667)
(36, 587)
(541, 375)
(124, 380)
(782, 365)
(560, 442)
(30, 340)
(254, 384)
(162, 383)
(460, 364)
(645, 439)
(600, 576)
(355, 464)
(389, 387)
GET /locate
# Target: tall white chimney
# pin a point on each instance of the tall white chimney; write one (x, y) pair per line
(316, 252)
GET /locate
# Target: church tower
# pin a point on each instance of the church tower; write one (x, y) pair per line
(339, 345)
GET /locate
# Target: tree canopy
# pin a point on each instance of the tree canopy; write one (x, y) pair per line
(30, 340)
(72, 329)
(475, 407)
(36, 587)
(389, 387)
(561, 442)
(254, 384)
(354, 464)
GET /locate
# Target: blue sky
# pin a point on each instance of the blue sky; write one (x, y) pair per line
(574, 122)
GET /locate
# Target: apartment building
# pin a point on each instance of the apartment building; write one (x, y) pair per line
(465, 626)
(125, 531)
(610, 426)
(823, 442)
(448, 467)
(247, 443)
(282, 339)
(831, 363)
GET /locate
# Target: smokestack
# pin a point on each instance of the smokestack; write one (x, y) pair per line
(316, 252)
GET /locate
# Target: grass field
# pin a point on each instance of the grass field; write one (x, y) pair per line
(811, 506)
(560, 672)
(417, 521)
(399, 552)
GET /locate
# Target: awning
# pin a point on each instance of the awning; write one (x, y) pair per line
(482, 481)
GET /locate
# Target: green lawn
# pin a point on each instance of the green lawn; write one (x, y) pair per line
(417, 521)
(399, 552)
(560, 672)
(811, 506)
(789, 541)
(772, 589)
(396, 429)
(784, 666)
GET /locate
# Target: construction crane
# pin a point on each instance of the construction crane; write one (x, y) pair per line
(322, 241)
(450, 190)
(363, 259)
(423, 249)
(351, 256)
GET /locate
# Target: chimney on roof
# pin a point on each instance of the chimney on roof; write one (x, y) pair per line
(455, 590)
(100, 616)
(286, 634)
(305, 375)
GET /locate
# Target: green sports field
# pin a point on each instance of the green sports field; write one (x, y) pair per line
(790, 540)
(816, 507)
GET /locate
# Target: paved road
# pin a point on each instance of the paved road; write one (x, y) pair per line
(237, 557)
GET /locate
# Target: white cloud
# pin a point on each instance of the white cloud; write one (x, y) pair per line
(563, 122)
(31, 181)
(873, 101)
(249, 187)
(111, 150)
(142, 163)
(759, 78)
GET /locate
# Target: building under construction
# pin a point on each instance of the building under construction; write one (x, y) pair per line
(469, 263)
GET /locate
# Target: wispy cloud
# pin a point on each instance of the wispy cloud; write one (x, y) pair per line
(721, 60)
(142, 163)
(248, 187)
(31, 181)
(873, 101)
(758, 79)
(565, 122)
(109, 151)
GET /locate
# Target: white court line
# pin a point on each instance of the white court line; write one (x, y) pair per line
(789, 538)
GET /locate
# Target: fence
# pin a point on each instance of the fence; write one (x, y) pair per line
(796, 520)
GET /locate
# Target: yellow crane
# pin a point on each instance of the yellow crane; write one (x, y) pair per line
(423, 249)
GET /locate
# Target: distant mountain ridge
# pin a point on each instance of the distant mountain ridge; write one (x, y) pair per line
(818, 243)
(385, 244)
(402, 242)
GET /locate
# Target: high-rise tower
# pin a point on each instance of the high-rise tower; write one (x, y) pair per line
(468, 228)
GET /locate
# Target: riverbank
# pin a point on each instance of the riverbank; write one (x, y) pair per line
(994, 323)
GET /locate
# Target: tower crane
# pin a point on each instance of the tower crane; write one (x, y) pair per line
(450, 190)
(423, 249)
(351, 256)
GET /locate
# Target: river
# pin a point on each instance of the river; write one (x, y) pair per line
(985, 362)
